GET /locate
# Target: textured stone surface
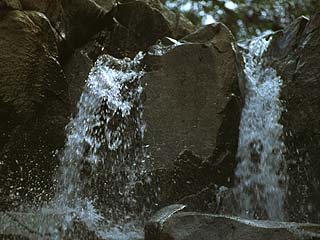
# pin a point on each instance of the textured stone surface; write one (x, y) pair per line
(186, 95)
(33, 105)
(125, 36)
(75, 20)
(295, 52)
(191, 226)
(130, 33)
(43, 225)
(179, 25)
(10, 5)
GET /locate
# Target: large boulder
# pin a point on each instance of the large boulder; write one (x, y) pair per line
(187, 94)
(192, 107)
(75, 20)
(198, 82)
(33, 105)
(125, 36)
(294, 53)
(179, 25)
(124, 22)
(173, 224)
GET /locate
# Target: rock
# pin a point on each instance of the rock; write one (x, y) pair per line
(85, 18)
(130, 34)
(216, 33)
(179, 25)
(33, 105)
(10, 5)
(187, 91)
(155, 224)
(126, 31)
(185, 178)
(75, 21)
(124, 38)
(77, 70)
(44, 225)
(192, 107)
(294, 53)
(192, 225)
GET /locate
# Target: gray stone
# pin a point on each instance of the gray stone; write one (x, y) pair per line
(186, 95)
(125, 38)
(75, 20)
(155, 224)
(294, 53)
(44, 225)
(191, 226)
(33, 105)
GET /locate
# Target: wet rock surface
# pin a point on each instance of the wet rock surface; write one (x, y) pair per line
(193, 99)
(179, 225)
(33, 105)
(192, 108)
(31, 226)
(124, 36)
(295, 54)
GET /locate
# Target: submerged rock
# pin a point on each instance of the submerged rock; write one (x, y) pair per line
(294, 53)
(33, 105)
(191, 225)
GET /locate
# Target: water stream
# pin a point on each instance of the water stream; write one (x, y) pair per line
(261, 171)
(104, 138)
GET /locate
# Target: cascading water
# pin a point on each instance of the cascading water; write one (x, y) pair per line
(106, 134)
(261, 171)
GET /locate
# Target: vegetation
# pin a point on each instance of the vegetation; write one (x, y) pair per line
(245, 17)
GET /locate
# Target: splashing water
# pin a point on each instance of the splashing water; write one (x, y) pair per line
(105, 136)
(261, 171)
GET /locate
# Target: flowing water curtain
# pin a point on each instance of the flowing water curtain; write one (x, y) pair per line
(261, 171)
(105, 137)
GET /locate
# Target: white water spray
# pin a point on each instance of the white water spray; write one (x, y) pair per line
(261, 171)
(107, 132)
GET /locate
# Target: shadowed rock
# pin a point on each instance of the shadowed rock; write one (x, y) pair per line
(126, 35)
(10, 5)
(187, 91)
(294, 53)
(36, 225)
(74, 20)
(33, 105)
(177, 225)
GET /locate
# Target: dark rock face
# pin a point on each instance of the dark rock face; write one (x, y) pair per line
(33, 104)
(35, 96)
(177, 225)
(294, 52)
(124, 36)
(200, 80)
(75, 21)
(10, 5)
(186, 94)
(28, 226)
(192, 107)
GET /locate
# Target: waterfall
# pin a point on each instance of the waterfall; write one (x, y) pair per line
(261, 171)
(105, 137)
